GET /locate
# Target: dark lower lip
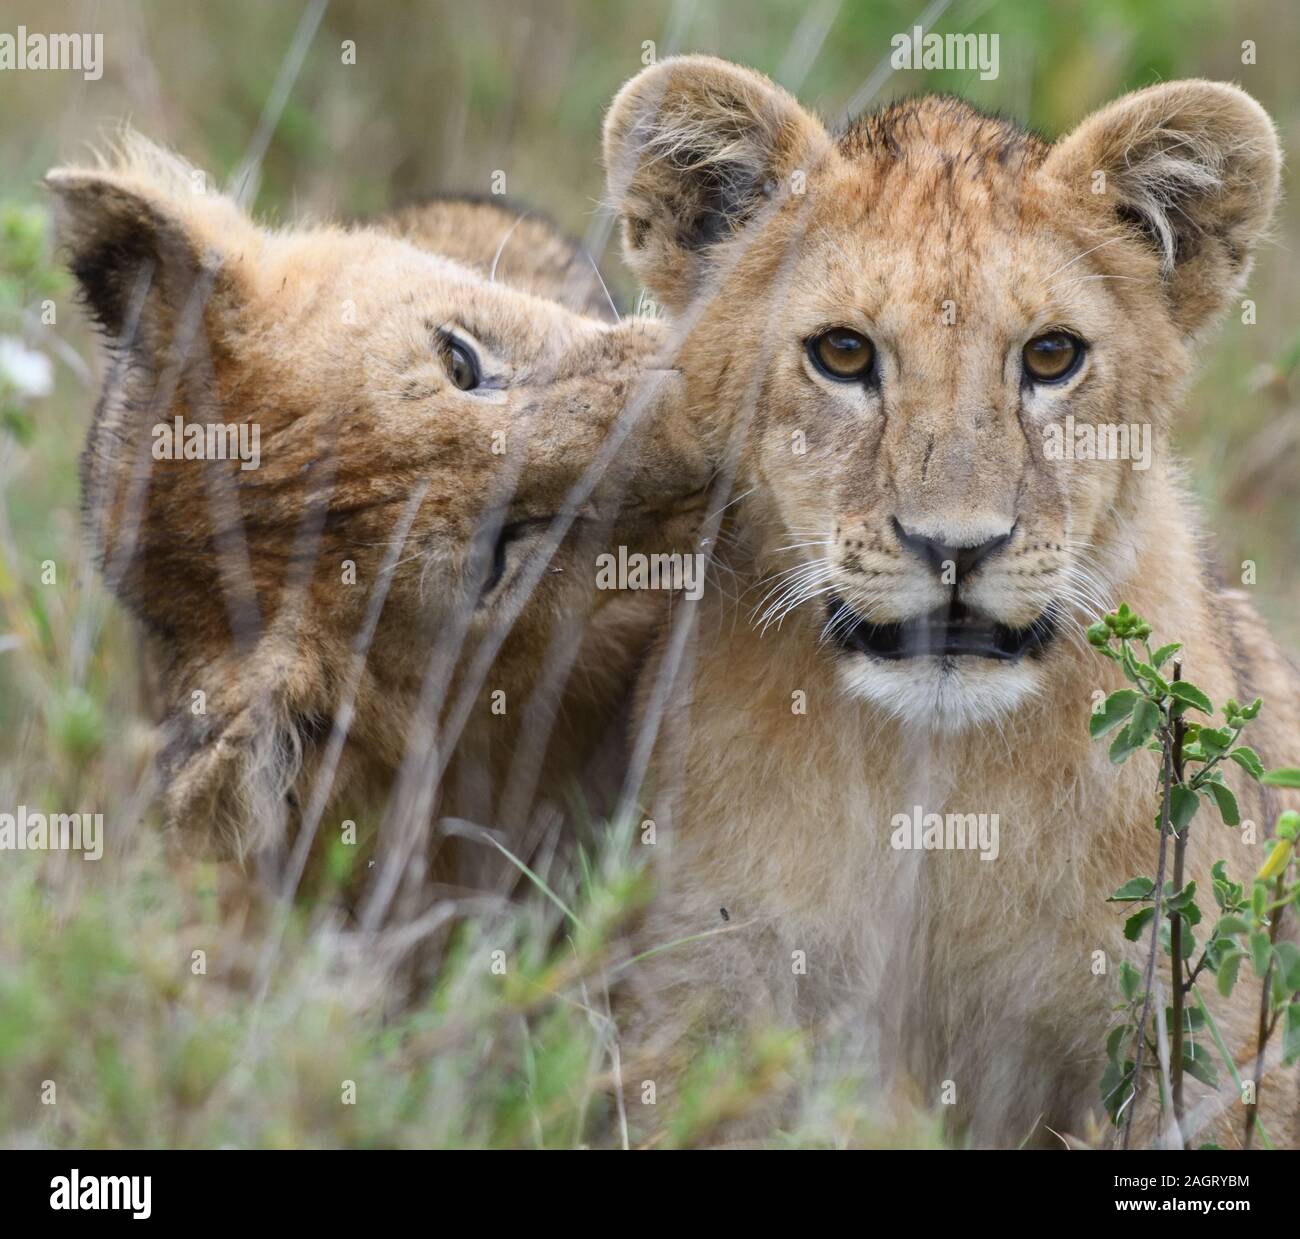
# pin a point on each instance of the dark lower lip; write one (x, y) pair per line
(952, 632)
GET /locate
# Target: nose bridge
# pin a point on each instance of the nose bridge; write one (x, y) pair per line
(583, 385)
(611, 396)
(956, 469)
(592, 376)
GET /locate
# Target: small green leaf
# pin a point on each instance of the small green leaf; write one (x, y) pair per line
(1248, 760)
(1291, 1034)
(1115, 709)
(1148, 673)
(1229, 925)
(1115, 1041)
(1260, 951)
(1187, 692)
(1222, 887)
(1226, 801)
(1165, 652)
(1134, 925)
(1183, 804)
(1134, 888)
(1226, 977)
(1214, 741)
(1122, 748)
(1177, 901)
(1200, 1066)
(1145, 720)
(1129, 980)
(1286, 962)
(1283, 776)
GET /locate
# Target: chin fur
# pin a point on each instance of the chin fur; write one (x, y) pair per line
(940, 694)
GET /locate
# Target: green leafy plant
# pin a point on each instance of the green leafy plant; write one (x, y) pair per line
(1166, 714)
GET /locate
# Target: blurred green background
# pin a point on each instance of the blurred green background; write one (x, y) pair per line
(442, 96)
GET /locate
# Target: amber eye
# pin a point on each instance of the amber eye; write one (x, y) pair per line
(462, 365)
(841, 354)
(1053, 356)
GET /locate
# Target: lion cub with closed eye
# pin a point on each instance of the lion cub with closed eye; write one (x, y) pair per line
(881, 329)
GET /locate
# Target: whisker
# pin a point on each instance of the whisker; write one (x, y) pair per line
(1101, 246)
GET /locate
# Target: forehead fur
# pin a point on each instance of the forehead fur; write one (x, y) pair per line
(945, 131)
(930, 181)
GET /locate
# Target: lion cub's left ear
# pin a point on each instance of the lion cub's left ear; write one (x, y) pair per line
(1191, 168)
(145, 236)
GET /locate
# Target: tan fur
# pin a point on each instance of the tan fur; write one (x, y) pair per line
(509, 242)
(759, 229)
(328, 340)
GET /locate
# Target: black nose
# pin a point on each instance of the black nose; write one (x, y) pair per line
(964, 559)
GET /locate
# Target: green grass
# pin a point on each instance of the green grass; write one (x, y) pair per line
(100, 995)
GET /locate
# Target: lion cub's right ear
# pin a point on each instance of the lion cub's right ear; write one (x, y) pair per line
(694, 147)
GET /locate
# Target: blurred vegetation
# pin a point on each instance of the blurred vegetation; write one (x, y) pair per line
(96, 987)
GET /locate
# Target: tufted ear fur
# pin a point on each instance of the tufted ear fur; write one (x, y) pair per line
(142, 233)
(1190, 168)
(694, 146)
(165, 267)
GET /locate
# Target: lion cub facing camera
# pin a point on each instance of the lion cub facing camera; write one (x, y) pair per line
(880, 329)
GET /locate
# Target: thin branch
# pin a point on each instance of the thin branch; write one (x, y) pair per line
(1149, 981)
(1264, 1029)
(1176, 920)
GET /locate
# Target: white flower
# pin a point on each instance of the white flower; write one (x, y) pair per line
(27, 371)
